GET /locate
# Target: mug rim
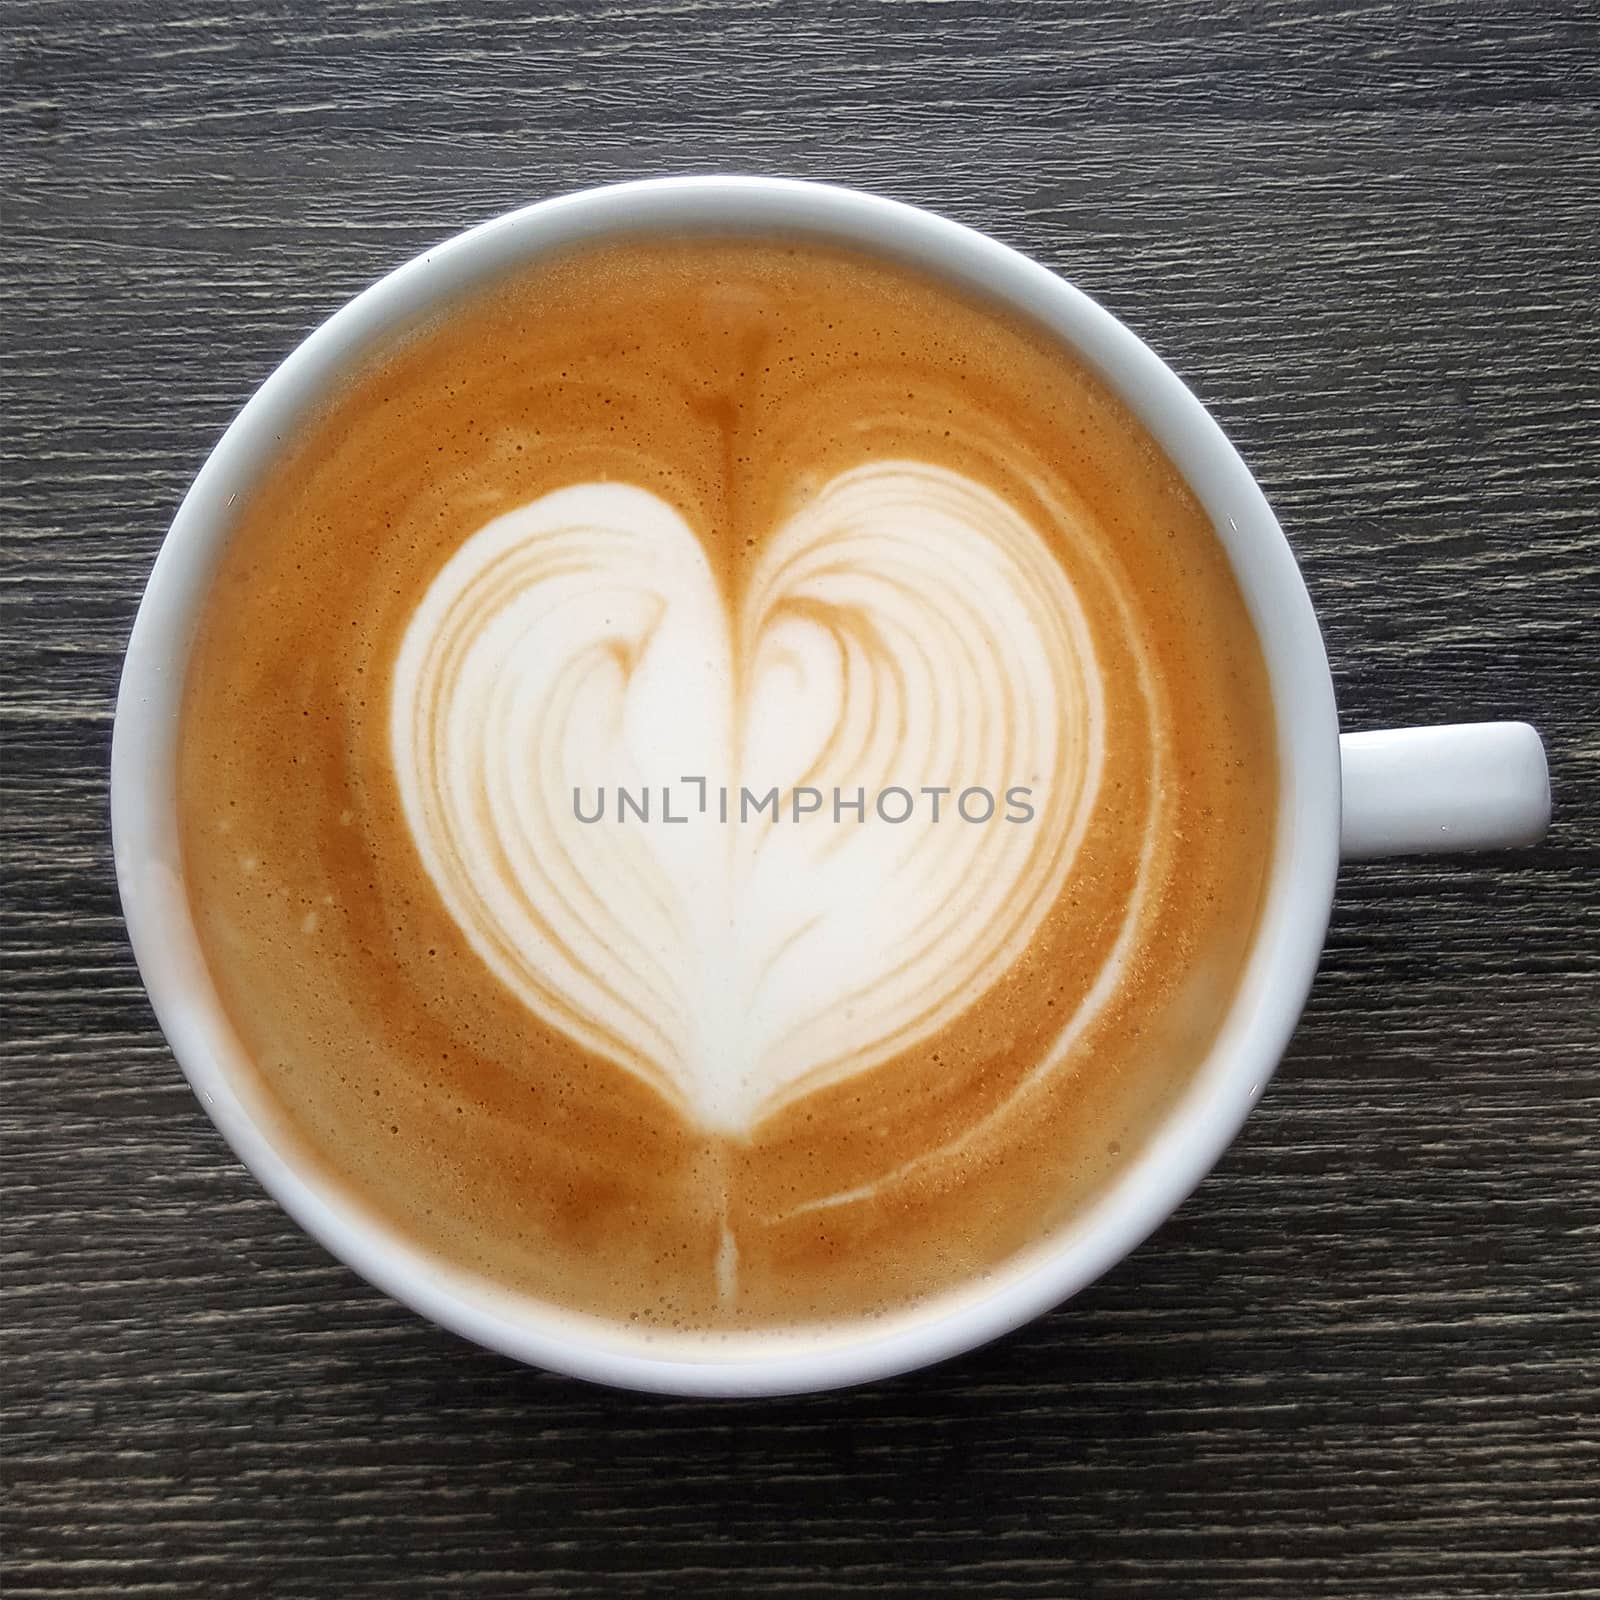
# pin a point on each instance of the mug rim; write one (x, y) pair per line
(1292, 924)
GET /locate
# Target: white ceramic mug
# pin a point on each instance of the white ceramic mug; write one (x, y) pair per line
(1450, 788)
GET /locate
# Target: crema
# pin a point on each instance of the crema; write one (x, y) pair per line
(725, 785)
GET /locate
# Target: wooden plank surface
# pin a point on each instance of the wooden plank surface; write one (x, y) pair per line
(1362, 1360)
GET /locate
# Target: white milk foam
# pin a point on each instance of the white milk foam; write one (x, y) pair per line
(907, 627)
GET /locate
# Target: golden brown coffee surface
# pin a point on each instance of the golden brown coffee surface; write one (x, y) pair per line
(770, 517)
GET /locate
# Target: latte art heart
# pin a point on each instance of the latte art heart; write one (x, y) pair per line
(906, 627)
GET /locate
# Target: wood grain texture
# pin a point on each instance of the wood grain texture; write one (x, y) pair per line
(1362, 1360)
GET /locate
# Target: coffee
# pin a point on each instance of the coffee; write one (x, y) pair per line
(724, 785)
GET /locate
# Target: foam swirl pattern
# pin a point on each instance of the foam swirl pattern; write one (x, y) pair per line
(907, 629)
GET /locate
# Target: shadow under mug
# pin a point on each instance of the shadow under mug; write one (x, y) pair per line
(1417, 789)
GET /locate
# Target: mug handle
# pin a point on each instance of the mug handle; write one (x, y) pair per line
(1466, 786)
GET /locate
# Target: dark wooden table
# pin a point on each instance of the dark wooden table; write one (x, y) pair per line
(1362, 1360)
